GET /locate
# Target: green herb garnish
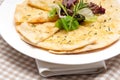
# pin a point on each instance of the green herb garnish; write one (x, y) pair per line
(71, 16)
(68, 23)
(64, 9)
(52, 13)
(80, 5)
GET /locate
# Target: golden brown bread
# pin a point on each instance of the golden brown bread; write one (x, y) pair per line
(26, 13)
(42, 4)
(36, 33)
(90, 36)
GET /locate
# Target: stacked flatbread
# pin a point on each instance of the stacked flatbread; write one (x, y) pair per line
(36, 28)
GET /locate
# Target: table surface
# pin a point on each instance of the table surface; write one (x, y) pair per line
(16, 66)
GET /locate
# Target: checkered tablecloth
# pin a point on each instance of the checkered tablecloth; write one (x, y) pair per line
(16, 66)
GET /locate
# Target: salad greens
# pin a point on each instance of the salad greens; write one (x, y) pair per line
(73, 13)
(68, 23)
(52, 13)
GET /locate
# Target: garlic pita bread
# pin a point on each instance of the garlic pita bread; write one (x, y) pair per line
(89, 36)
(36, 33)
(100, 34)
(109, 24)
(26, 13)
(101, 44)
(42, 4)
(62, 41)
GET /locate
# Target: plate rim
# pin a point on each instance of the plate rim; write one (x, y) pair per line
(66, 59)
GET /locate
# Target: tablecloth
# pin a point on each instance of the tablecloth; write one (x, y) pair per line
(17, 66)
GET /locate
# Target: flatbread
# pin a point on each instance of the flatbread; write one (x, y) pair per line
(108, 22)
(89, 36)
(63, 40)
(82, 37)
(42, 4)
(26, 13)
(90, 47)
(36, 33)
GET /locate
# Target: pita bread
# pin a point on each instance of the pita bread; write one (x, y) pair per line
(111, 19)
(26, 13)
(42, 4)
(36, 33)
(89, 36)
(90, 47)
(81, 37)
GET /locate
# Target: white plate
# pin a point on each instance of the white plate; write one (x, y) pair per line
(10, 35)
